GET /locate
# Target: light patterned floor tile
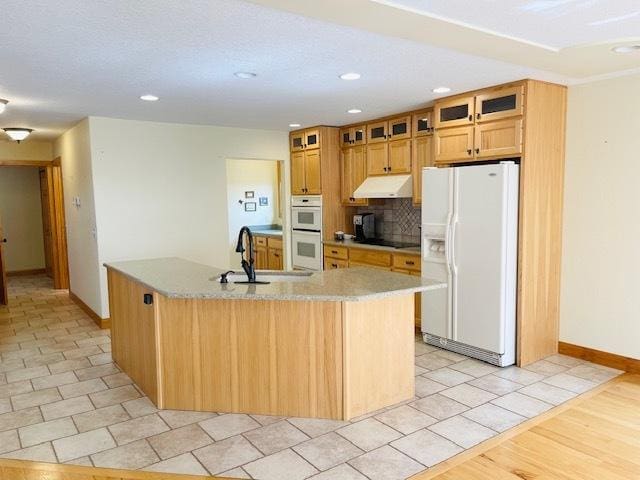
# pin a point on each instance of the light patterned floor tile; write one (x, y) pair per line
(386, 463)
(496, 385)
(447, 376)
(54, 380)
(548, 393)
(341, 472)
(114, 395)
(227, 454)
(132, 456)
(571, 383)
(11, 389)
(138, 428)
(438, 406)
(101, 417)
(369, 434)
(83, 444)
(519, 375)
(522, 404)
(21, 418)
(468, 395)
(179, 418)
(594, 373)
(228, 425)
(9, 441)
(181, 440)
(284, 465)
(275, 437)
(406, 419)
(462, 431)
(314, 427)
(494, 417)
(82, 388)
(475, 368)
(47, 431)
(37, 453)
(185, 464)
(425, 387)
(327, 451)
(66, 408)
(427, 447)
(545, 368)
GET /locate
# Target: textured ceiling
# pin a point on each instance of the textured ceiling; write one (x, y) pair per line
(61, 61)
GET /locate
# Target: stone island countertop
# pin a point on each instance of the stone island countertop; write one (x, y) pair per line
(179, 278)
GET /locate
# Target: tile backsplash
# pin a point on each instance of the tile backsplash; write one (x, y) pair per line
(397, 219)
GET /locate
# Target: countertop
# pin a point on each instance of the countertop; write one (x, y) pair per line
(267, 232)
(179, 278)
(352, 244)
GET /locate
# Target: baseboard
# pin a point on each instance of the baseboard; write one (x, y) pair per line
(101, 322)
(31, 271)
(628, 364)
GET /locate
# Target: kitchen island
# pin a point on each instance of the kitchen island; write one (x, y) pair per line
(334, 344)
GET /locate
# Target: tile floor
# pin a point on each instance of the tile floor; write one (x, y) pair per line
(63, 400)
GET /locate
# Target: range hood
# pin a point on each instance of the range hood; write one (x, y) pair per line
(385, 186)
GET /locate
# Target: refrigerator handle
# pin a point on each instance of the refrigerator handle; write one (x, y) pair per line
(447, 243)
(452, 249)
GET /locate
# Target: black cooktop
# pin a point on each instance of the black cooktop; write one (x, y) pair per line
(387, 243)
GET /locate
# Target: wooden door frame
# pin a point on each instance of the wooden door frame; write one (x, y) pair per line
(57, 215)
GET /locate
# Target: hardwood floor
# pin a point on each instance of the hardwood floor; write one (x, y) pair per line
(596, 436)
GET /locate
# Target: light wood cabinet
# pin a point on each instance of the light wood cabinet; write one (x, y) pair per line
(261, 258)
(335, 263)
(499, 104)
(422, 157)
(399, 156)
(454, 144)
(333, 251)
(353, 172)
(351, 136)
(422, 123)
(498, 139)
(377, 132)
(304, 139)
(305, 173)
(417, 298)
(399, 128)
(377, 158)
(378, 258)
(454, 112)
(275, 259)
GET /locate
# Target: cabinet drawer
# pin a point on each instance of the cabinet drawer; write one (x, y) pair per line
(334, 263)
(336, 252)
(368, 265)
(260, 241)
(274, 242)
(406, 262)
(369, 257)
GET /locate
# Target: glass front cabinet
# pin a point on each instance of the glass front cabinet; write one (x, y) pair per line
(499, 104)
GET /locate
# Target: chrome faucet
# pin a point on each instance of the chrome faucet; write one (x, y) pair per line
(247, 265)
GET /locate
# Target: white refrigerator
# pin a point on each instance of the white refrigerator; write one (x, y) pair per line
(469, 240)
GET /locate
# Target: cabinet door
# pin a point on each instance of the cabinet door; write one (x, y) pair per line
(399, 128)
(499, 104)
(345, 137)
(455, 112)
(417, 303)
(275, 259)
(359, 135)
(312, 172)
(262, 262)
(296, 141)
(377, 158)
(377, 132)
(422, 123)
(334, 263)
(454, 145)
(498, 139)
(399, 156)
(312, 139)
(297, 173)
(354, 172)
(422, 157)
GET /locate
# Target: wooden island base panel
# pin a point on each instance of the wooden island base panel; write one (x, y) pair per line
(322, 359)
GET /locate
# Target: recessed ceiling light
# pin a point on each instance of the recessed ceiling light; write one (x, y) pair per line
(149, 98)
(18, 134)
(245, 74)
(354, 110)
(294, 125)
(3, 104)
(626, 48)
(350, 76)
(441, 90)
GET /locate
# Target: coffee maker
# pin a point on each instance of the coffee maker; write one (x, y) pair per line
(364, 225)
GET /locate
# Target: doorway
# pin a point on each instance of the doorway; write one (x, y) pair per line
(32, 222)
(256, 198)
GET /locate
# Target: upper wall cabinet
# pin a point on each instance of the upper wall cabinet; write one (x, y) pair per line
(305, 140)
(422, 123)
(456, 112)
(395, 129)
(351, 136)
(499, 104)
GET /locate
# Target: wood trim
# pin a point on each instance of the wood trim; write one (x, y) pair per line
(26, 163)
(101, 322)
(483, 447)
(613, 360)
(21, 469)
(29, 271)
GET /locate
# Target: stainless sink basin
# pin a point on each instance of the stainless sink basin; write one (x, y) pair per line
(269, 276)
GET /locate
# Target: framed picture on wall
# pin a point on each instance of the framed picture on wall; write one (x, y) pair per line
(264, 201)
(250, 206)
(249, 194)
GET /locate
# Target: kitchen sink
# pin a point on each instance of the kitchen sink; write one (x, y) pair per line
(268, 276)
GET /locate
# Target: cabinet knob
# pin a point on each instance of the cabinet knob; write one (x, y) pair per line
(478, 116)
(471, 118)
(147, 298)
(334, 265)
(410, 262)
(477, 150)
(469, 152)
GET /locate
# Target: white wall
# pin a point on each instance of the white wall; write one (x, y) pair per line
(26, 150)
(21, 218)
(75, 151)
(600, 296)
(259, 176)
(160, 188)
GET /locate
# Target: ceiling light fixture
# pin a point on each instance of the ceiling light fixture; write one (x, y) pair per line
(350, 76)
(626, 48)
(441, 90)
(294, 125)
(149, 98)
(245, 74)
(3, 104)
(18, 134)
(354, 110)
